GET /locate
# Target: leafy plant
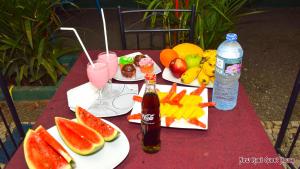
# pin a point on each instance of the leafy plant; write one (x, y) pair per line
(29, 48)
(214, 18)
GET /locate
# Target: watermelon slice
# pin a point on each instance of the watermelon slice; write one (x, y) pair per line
(40, 155)
(42, 132)
(79, 138)
(84, 117)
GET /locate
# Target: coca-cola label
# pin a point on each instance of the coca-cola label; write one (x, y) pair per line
(148, 118)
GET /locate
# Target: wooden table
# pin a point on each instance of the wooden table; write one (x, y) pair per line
(234, 139)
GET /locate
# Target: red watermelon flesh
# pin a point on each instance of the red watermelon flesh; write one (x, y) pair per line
(88, 134)
(39, 155)
(78, 138)
(84, 117)
(43, 133)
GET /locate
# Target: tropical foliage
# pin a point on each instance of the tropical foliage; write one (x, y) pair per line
(214, 18)
(29, 48)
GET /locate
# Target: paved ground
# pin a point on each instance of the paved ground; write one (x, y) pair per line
(272, 59)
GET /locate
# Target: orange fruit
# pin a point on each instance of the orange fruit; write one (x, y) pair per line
(166, 56)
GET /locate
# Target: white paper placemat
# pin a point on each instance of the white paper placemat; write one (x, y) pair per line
(86, 94)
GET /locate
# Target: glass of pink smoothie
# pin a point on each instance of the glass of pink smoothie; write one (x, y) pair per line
(98, 76)
(112, 62)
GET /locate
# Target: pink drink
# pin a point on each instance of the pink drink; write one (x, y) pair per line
(112, 62)
(97, 75)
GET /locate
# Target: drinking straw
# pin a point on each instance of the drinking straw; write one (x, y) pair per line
(79, 39)
(105, 34)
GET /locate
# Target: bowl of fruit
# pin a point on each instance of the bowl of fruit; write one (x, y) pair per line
(188, 64)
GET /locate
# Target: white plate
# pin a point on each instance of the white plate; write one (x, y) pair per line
(139, 75)
(86, 94)
(111, 155)
(177, 123)
(167, 75)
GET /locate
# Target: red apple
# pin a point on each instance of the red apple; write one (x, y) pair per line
(178, 67)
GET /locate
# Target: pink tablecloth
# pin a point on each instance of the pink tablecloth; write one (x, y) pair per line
(234, 138)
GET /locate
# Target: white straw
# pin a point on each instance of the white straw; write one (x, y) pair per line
(78, 37)
(105, 34)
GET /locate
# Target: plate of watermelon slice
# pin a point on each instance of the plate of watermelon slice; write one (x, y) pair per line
(81, 143)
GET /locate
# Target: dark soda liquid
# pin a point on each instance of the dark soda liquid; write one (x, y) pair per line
(150, 123)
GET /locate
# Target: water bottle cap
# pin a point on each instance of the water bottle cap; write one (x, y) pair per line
(231, 36)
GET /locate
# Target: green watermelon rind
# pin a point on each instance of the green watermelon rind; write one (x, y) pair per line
(110, 138)
(95, 147)
(25, 146)
(114, 136)
(28, 161)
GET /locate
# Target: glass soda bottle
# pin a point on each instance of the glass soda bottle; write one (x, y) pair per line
(227, 73)
(150, 122)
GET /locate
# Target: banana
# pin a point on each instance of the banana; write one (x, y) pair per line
(209, 53)
(212, 61)
(203, 78)
(190, 75)
(208, 70)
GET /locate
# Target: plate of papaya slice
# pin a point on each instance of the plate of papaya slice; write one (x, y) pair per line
(180, 106)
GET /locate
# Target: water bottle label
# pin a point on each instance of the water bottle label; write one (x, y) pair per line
(228, 67)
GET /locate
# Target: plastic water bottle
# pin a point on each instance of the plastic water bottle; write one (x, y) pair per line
(227, 73)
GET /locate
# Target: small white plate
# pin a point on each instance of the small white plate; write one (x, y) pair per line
(167, 75)
(110, 156)
(182, 123)
(139, 75)
(86, 94)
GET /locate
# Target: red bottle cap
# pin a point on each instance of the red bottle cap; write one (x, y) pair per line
(150, 77)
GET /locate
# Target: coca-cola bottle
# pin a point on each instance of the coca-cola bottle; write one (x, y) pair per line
(150, 122)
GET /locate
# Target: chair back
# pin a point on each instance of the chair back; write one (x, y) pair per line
(285, 122)
(149, 16)
(12, 137)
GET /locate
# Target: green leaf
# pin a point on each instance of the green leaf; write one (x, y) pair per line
(50, 70)
(60, 67)
(65, 51)
(211, 38)
(250, 13)
(220, 12)
(20, 7)
(200, 31)
(27, 25)
(41, 50)
(143, 2)
(4, 47)
(150, 6)
(32, 66)
(21, 73)
(8, 41)
(235, 6)
(168, 6)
